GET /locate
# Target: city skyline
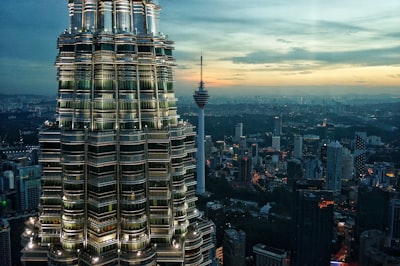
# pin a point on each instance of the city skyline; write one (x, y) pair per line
(279, 47)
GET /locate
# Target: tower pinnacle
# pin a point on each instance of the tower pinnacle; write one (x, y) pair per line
(201, 95)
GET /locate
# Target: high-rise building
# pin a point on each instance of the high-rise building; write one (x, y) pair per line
(244, 168)
(372, 209)
(238, 131)
(310, 144)
(277, 130)
(29, 187)
(5, 243)
(334, 167)
(276, 142)
(312, 225)
(360, 153)
(118, 173)
(312, 167)
(348, 164)
(298, 147)
(394, 221)
(265, 255)
(234, 247)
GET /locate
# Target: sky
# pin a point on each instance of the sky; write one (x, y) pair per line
(259, 46)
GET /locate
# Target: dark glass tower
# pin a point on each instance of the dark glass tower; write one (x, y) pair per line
(118, 174)
(312, 228)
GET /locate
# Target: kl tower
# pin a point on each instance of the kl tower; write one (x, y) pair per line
(201, 98)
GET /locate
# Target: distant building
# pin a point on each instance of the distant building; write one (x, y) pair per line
(334, 167)
(312, 225)
(276, 142)
(312, 167)
(348, 164)
(208, 146)
(373, 252)
(29, 187)
(298, 147)
(277, 130)
(234, 248)
(394, 222)
(243, 145)
(245, 167)
(294, 172)
(265, 256)
(310, 144)
(372, 209)
(254, 154)
(238, 132)
(5, 243)
(360, 153)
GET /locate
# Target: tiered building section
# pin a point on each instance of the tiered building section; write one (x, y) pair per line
(118, 174)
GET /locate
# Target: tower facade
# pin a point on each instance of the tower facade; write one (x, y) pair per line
(118, 178)
(201, 98)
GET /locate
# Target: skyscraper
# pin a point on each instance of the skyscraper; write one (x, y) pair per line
(334, 167)
(234, 247)
(298, 147)
(118, 178)
(5, 242)
(238, 132)
(360, 152)
(312, 225)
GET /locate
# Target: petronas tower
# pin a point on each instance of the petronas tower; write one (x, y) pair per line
(118, 184)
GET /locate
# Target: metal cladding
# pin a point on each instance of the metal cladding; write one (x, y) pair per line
(118, 175)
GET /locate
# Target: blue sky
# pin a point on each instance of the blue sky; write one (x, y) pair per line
(262, 45)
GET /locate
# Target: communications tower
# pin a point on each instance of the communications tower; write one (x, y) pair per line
(201, 98)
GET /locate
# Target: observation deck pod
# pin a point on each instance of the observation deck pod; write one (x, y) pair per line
(201, 98)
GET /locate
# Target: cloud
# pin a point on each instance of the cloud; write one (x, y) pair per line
(368, 57)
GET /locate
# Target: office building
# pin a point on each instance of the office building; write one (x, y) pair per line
(298, 147)
(394, 222)
(312, 167)
(360, 153)
(294, 172)
(373, 251)
(265, 255)
(277, 130)
(310, 144)
(372, 209)
(312, 227)
(348, 164)
(244, 168)
(29, 187)
(334, 167)
(276, 142)
(5, 243)
(118, 173)
(238, 132)
(234, 247)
